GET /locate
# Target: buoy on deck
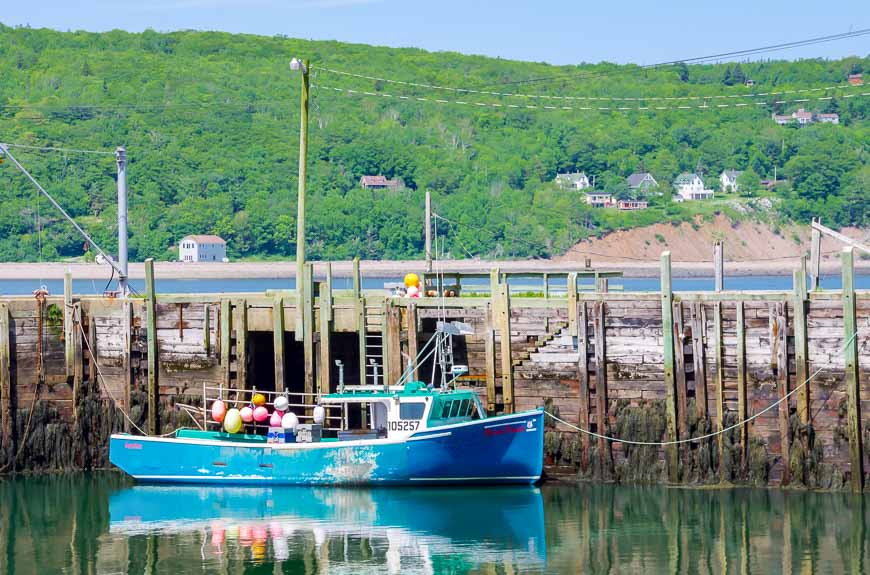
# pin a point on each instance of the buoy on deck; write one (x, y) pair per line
(261, 414)
(258, 399)
(275, 420)
(289, 421)
(218, 411)
(233, 421)
(247, 414)
(319, 414)
(282, 403)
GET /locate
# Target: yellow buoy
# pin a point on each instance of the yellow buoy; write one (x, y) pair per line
(258, 399)
(233, 421)
(412, 280)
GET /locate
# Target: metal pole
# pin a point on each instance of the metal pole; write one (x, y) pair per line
(121, 155)
(719, 265)
(300, 199)
(428, 233)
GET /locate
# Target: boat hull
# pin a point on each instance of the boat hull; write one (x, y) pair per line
(502, 449)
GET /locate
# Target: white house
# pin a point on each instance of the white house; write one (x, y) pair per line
(573, 180)
(728, 180)
(691, 187)
(599, 199)
(202, 249)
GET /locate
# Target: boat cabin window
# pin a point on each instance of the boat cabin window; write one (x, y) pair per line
(379, 415)
(411, 410)
(445, 413)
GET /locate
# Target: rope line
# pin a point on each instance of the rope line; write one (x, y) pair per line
(708, 435)
(571, 108)
(582, 98)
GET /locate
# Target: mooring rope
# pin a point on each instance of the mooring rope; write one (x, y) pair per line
(708, 435)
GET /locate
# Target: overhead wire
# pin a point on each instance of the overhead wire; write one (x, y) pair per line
(54, 149)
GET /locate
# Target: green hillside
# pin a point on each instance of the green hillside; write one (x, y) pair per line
(211, 120)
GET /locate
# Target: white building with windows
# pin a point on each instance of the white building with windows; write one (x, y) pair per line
(202, 249)
(573, 180)
(691, 187)
(728, 180)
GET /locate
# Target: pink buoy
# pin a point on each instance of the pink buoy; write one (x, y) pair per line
(218, 411)
(247, 414)
(275, 420)
(261, 414)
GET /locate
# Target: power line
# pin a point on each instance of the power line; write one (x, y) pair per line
(695, 60)
(651, 108)
(584, 98)
(53, 149)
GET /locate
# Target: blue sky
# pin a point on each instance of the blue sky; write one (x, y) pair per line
(560, 32)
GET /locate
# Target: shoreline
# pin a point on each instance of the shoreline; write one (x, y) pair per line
(389, 269)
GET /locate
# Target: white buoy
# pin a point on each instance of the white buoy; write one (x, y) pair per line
(289, 421)
(319, 414)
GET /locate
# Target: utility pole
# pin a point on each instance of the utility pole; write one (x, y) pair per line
(121, 156)
(296, 64)
(428, 232)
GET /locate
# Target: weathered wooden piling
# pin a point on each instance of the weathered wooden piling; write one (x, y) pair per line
(278, 341)
(667, 298)
(240, 323)
(7, 408)
(853, 389)
(741, 383)
(326, 315)
(151, 328)
(503, 320)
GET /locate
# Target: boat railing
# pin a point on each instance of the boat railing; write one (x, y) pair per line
(300, 403)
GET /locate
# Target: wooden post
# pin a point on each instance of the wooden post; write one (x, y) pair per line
(68, 324)
(226, 341)
(151, 329)
(741, 382)
(241, 325)
(325, 364)
(308, 328)
(357, 279)
(413, 342)
(699, 330)
(546, 278)
(361, 332)
(781, 319)
(601, 402)
(206, 329)
(7, 408)
(572, 303)
(128, 347)
(667, 298)
(799, 304)
(815, 258)
(489, 345)
(853, 394)
(680, 370)
(720, 387)
(278, 341)
(428, 234)
(392, 343)
(78, 353)
(503, 318)
(583, 377)
(719, 265)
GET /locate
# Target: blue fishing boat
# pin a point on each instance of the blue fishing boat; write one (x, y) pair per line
(411, 434)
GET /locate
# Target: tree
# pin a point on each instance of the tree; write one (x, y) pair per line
(748, 182)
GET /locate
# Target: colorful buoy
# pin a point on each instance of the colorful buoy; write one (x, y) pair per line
(218, 411)
(247, 414)
(258, 399)
(261, 414)
(233, 421)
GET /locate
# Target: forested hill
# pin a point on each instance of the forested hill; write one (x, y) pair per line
(211, 121)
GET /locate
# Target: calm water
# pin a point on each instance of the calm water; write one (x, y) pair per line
(26, 287)
(101, 524)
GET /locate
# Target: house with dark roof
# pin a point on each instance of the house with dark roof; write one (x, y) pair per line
(641, 182)
(202, 248)
(379, 183)
(599, 199)
(573, 180)
(728, 180)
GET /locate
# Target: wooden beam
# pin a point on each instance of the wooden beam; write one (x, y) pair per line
(853, 388)
(680, 370)
(719, 266)
(699, 358)
(361, 332)
(78, 355)
(583, 377)
(413, 342)
(490, 355)
(7, 406)
(226, 343)
(278, 342)
(667, 298)
(741, 382)
(781, 318)
(392, 343)
(357, 279)
(152, 350)
(324, 368)
(128, 351)
(720, 387)
(572, 303)
(817, 226)
(801, 350)
(815, 257)
(68, 324)
(308, 328)
(601, 401)
(503, 319)
(241, 324)
(206, 329)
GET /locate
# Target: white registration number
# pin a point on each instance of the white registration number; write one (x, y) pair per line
(404, 425)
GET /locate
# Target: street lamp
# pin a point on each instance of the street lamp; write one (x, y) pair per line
(298, 65)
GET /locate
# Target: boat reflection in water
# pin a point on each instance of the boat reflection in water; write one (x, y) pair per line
(338, 530)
